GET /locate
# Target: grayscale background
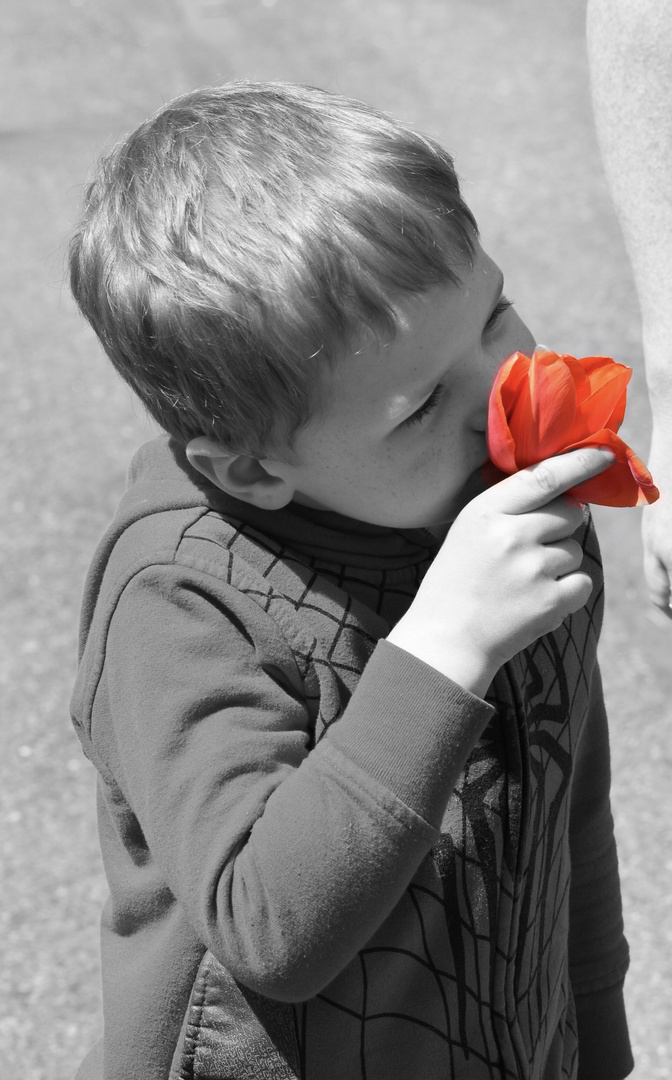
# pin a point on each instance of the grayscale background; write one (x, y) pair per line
(503, 83)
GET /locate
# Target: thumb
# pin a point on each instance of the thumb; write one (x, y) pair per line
(534, 487)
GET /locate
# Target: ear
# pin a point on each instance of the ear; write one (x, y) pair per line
(240, 475)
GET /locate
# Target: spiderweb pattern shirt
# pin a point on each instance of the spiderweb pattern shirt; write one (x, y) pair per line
(296, 888)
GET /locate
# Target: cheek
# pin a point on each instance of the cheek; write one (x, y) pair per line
(433, 459)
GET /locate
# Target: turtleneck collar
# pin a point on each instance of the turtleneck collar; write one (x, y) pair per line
(161, 478)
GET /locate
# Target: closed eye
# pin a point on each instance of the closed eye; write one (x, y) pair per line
(494, 319)
(430, 403)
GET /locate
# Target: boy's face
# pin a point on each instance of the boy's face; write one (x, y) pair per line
(401, 435)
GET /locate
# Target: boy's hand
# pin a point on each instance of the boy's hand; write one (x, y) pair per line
(507, 573)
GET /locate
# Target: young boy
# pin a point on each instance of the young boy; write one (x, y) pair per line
(342, 697)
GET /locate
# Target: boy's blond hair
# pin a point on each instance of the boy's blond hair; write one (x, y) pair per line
(248, 233)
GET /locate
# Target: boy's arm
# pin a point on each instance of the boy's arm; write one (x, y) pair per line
(629, 49)
(286, 859)
(598, 951)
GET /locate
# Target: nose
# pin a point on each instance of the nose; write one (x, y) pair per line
(479, 421)
(478, 413)
(488, 365)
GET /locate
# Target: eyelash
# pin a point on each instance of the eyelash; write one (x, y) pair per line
(500, 307)
(426, 407)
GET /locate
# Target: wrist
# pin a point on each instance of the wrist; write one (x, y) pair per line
(465, 665)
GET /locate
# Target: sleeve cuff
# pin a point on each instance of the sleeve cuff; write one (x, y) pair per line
(411, 728)
(604, 1043)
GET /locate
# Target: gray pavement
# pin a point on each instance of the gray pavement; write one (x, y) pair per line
(503, 83)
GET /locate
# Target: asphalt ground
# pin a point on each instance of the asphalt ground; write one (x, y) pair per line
(503, 83)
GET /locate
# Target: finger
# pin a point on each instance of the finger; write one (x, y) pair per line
(558, 520)
(573, 591)
(539, 485)
(562, 558)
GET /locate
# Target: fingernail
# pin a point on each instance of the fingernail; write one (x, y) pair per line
(608, 453)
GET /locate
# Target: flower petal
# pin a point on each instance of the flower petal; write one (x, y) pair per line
(580, 375)
(510, 377)
(605, 405)
(551, 404)
(540, 426)
(591, 364)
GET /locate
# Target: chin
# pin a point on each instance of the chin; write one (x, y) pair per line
(437, 519)
(446, 515)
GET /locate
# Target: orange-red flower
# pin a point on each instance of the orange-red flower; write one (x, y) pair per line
(548, 404)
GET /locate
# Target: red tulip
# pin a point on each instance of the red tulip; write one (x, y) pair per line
(549, 404)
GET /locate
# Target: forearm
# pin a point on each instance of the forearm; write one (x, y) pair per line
(287, 859)
(629, 49)
(336, 846)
